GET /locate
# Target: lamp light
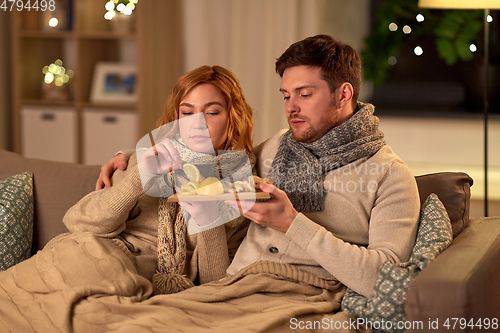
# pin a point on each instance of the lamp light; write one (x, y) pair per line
(474, 4)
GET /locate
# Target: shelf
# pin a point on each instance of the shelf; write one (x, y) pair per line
(43, 102)
(82, 40)
(105, 35)
(46, 34)
(110, 106)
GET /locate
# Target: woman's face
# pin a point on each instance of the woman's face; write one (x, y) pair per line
(204, 118)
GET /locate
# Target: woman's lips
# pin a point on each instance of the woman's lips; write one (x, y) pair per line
(199, 138)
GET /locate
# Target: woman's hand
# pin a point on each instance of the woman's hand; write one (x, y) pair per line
(119, 162)
(203, 212)
(161, 159)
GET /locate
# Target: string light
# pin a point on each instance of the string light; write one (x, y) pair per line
(53, 22)
(393, 26)
(418, 51)
(56, 73)
(125, 7)
(420, 18)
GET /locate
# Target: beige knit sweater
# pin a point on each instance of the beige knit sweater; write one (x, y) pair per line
(370, 216)
(126, 214)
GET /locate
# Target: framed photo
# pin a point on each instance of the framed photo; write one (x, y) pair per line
(114, 82)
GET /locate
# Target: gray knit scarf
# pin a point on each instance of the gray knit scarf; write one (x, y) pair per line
(298, 167)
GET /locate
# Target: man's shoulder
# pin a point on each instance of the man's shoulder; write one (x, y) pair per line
(389, 161)
(276, 138)
(265, 152)
(270, 144)
(386, 155)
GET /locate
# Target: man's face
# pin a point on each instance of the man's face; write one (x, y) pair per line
(309, 104)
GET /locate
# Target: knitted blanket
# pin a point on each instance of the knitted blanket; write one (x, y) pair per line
(81, 283)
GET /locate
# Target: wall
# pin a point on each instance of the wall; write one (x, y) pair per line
(5, 101)
(430, 145)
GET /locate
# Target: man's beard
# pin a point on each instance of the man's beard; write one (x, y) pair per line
(303, 135)
(310, 134)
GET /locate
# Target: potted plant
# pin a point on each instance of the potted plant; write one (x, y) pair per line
(397, 21)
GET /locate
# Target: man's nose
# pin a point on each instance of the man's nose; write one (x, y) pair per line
(291, 106)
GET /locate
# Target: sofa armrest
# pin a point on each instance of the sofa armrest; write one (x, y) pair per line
(462, 282)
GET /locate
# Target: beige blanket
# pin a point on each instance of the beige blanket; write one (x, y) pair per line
(80, 283)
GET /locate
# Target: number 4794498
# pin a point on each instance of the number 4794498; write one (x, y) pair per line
(20, 5)
(462, 323)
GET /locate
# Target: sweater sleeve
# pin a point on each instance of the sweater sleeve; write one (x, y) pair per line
(213, 257)
(217, 246)
(104, 212)
(392, 228)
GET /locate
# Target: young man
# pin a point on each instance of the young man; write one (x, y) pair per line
(343, 202)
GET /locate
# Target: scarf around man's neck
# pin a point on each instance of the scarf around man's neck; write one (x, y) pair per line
(298, 167)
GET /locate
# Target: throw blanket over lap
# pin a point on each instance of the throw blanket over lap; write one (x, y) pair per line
(82, 283)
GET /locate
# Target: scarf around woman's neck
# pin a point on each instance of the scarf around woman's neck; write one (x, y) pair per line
(298, 167)
(231, 165)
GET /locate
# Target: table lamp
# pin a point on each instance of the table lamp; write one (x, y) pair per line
(474, 4)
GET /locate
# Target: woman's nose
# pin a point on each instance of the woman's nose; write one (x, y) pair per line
(199, 120)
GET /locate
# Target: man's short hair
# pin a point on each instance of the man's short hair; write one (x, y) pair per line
(339, 62)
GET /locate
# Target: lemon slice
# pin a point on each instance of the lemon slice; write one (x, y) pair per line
(211, 186)
(184, 193)
(187, 189)
(191, 171)
(194, 184)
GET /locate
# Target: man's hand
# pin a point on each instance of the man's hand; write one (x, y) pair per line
(120, 162)
(277, 214)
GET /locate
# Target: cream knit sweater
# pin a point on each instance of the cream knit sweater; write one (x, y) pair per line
(126, 214)
(370, 216)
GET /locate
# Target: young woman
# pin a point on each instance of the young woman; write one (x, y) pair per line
(152, 232)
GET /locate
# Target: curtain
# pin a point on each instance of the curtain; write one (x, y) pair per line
(247, 37)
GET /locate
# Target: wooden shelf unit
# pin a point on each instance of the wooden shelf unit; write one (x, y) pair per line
(85, 39)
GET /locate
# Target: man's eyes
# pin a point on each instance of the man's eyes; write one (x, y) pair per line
(303, 95)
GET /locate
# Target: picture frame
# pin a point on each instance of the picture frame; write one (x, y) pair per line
(114, 82)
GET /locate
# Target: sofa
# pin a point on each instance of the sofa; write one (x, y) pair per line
(463, 282)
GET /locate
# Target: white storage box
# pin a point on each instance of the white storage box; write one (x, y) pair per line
(49, 133)
(105, 132)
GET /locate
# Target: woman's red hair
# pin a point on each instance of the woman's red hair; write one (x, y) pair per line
(239, 136)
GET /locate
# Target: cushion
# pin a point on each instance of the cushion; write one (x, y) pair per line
(385, 308)
(453, 189)
(16, 219)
